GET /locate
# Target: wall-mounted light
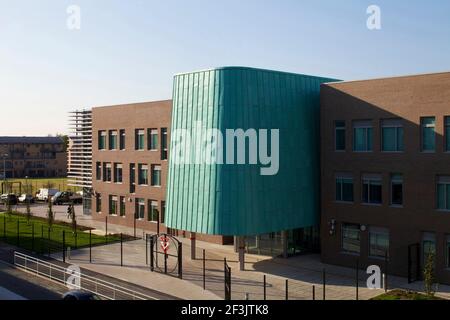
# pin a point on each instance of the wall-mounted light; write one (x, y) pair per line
(332, 225)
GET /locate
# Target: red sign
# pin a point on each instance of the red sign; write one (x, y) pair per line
(164, 241)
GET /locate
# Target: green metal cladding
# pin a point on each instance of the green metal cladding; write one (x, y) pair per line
(224, 199)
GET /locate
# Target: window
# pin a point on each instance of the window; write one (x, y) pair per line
(113, 205)
(351, 238)
(142, 174)
(112, 139)
(344, 187)
(118, 177)
(156, 175)
(122, 140)
(163, 212)
(362, 136)
(140, 208)
(122, 206)
(163, 143)
(98, 203)
(447, 133)
(428, 134)
(140, 139)
(428, 245)
(152, 139)
(98, 171)
(392, 135)
(153, 213)
(132, 177)
(443, 193)
(102, 140)
(339, 132)
(107, 172)
(371, 190)
(396, 189)
(378, 242)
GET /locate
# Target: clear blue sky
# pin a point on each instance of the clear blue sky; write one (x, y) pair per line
(128, 51)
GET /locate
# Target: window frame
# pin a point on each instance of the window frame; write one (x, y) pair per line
(366, 125)
(343, 250)
(340, 178)
(378, 231)
(395, 124)
(370, 178)
(422, 140)
(340, 128)
(394, 178)
(156, 168)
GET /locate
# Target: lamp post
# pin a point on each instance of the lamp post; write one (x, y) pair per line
(5, 155)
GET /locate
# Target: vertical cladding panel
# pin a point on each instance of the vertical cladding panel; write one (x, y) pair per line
(236, 199)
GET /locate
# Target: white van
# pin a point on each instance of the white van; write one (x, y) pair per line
(45, 194)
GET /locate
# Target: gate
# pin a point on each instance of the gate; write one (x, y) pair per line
(227, 271)
(413, 262)
(166, 254)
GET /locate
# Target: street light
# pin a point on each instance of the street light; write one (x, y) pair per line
(5, 155)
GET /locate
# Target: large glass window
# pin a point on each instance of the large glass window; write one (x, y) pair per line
(112, 139)
(164, 144)
(447, 133)
(344, 187)
(153, 139)
(142, 174)
(107, 172)
(153, 212)
(102, 140)
(362, 136)
(140, 139)
(397, 189)
(156, 175)
(392, 135)
(428, 129)
(140, 208)
(122, 206)
(118, 173)
(443, 192)
(371, 189)
(339, 132)
(113, 205)
(378, 242)
(428, 245)
(351, 238)
(122, 139)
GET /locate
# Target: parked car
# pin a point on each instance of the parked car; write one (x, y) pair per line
(46, 194)
(26, 198)
(12, 198)
(79, 295)
(66, 197)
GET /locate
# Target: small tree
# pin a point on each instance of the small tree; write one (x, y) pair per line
(428, 274)
(28, 210)
(50, 214)
(73, 217)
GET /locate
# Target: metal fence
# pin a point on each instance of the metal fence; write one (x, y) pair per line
(101, 288)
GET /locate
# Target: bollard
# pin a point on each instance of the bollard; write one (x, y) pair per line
(146, 249)
(264, 287)
(385, 282)
(246, 296)
(287, 290)
(314, 293)
(106, 229)
(357, 279)
(68, 253)
(324, 283)
(121, 250)
(204, 270)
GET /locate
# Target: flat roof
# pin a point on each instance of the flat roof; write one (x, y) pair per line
(31, 140)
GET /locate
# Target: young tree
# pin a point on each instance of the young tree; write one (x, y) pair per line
(73, 217)
(428, 274)
(50, 214)
(28, 210)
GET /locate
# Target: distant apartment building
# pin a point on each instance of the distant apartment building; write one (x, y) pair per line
(35, 157)
(386, 173)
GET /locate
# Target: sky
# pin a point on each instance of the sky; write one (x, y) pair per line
(128, 51)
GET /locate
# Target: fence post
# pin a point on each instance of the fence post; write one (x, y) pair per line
(18, 232)
(106, 229)
(264, 296)
(4, 227)
(42, 239)
(204, 270)
(121, 250)
(386, 271)
(146, 249)
(48, 243)
(357, 279)
(287, 289)
(151, 253)
(314, 293)
(134, 227)
(90, 246)
(64, 245)
(324, 283)
(180, 260)
(32, 236)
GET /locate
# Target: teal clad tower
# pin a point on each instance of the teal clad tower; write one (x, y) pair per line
(236, 199)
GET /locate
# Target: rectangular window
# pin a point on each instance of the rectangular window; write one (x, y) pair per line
(142, 174)
(428, 245)
(443, 192)
(122, 139)
(113, 205)
(378, 242)
(163, 212)
(118, 170)
(428, 128)
(339, 132)
(122, 206)
(140, 209)
(140, 139)
(98, 203)
(351, 238)
(132, 177)
(112, 139)
(107, 172)
(102, 140)
(396, 189)
(371, 190)
(362, 136)
(156, 175)
(344, 187)
(152, 139)
(447, 133)
(164, 153)
(98, 171)
(392, 135)
(153, 213)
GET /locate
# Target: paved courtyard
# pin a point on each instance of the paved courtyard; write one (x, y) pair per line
(302, 272)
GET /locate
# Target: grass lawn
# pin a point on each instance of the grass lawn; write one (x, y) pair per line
(404, 295)
(36, 184)
(45, 239)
